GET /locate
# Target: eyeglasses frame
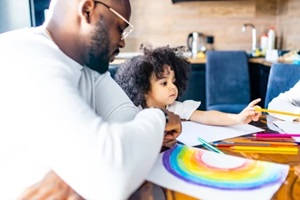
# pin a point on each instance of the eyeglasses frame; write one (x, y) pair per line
(130, 26)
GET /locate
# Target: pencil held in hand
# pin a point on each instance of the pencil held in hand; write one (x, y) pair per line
(276, 112)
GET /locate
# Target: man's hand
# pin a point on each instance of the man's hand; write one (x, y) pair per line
(173, 129)
(51, 187)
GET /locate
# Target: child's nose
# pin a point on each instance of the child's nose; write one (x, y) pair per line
(172, 87)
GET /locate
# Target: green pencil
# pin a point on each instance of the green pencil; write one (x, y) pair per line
(209, 147)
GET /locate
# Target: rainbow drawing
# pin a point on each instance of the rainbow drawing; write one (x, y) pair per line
(209, 169)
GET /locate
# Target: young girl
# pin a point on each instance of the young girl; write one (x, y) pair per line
(159, 77)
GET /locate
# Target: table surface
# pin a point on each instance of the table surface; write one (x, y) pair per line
(289, 190)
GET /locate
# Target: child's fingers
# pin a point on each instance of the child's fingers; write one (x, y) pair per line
(256, 117)
(254, 102)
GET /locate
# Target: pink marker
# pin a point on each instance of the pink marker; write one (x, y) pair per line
(278, 135)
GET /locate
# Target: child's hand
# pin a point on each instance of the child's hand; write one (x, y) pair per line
(249, 114)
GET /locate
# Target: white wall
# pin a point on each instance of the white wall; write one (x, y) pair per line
(14, 14)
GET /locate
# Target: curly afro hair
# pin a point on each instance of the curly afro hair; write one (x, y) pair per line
(134, 74)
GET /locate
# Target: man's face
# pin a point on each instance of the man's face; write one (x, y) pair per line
(106, 39)
(98, 58)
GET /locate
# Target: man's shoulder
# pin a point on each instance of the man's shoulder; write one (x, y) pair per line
(24, 40)
(19, 34)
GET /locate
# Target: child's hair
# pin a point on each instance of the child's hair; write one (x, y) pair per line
(135, 73)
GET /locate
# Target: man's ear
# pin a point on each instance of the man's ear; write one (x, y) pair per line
(86, 9)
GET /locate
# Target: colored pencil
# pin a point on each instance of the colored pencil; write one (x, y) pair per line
(273, 139)
(261, 148)
(276, 112)
(278, 135)
(209, 147)
(225, 144)
(265, 152)
(263, 142)
(254, 143)
(285, 140)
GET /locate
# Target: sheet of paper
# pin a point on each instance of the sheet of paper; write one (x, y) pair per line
(289, 127)
(209, 175)
(192, 130)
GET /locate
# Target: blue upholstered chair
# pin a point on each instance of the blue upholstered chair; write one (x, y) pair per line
(281, 78)
(227, 81)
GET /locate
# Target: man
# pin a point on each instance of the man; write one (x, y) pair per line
(61, 112)
(288, 101)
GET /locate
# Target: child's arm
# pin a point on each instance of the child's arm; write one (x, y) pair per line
(214, 117)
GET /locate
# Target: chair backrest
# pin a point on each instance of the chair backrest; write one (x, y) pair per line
(227, 80)
(281, 78)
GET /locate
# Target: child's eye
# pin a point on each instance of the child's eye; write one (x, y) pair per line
(164, 83)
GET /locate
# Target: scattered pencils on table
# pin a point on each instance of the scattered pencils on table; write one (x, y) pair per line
(261, 145)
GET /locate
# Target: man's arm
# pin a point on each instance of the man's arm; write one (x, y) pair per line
(53, 187)
(288, 101)
(91, 155)
(112, 103)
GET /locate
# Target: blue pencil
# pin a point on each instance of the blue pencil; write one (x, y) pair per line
(209, 147)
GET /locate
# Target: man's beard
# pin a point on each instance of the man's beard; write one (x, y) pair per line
(98, 51)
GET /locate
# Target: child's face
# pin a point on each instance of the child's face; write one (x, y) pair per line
(163, 92)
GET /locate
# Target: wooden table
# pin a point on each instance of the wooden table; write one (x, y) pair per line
(289, 190)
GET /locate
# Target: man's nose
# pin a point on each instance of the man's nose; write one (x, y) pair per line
(122, 43)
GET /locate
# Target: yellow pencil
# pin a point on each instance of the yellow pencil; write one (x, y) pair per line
(265, 148)
(276, 112)
(266, 152)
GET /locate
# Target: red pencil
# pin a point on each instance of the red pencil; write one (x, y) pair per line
(278, 135)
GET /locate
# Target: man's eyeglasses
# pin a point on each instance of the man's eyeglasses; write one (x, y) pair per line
(128, 29)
